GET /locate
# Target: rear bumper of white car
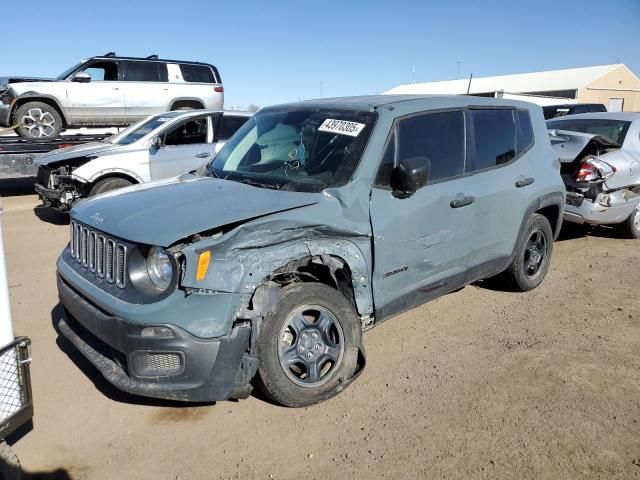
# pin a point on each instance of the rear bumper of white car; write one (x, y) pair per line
(607, 208)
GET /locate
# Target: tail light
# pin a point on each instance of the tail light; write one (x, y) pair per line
(218, 89)
(592, 170)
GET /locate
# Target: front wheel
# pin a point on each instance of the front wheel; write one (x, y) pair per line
(38, 120)
(108, 184)
(533, 254)
(308, 348)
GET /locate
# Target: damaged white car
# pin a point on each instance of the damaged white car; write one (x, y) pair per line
(160, 146)
(600, 156)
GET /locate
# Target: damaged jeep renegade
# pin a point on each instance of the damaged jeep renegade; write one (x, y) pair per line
(316, 221)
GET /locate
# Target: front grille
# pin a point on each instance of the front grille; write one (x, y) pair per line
(99, 254)
(164, 362)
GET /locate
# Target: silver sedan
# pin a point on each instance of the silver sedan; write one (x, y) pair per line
(600, 166)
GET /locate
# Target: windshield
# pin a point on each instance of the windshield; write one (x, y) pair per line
(615, 130)
(67, 72)
(139, 130)
(299, 149)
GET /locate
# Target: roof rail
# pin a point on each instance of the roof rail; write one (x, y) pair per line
(153, 57)
(110, 54)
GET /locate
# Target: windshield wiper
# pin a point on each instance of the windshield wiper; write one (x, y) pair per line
(254, 183)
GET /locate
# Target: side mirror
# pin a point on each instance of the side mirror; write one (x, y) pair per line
(81, 77)
(409, 176)
(156, 142)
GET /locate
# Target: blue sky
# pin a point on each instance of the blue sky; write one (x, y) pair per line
(278, 51)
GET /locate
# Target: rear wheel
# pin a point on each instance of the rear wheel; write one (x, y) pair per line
(631, 226)
(9, 464)
(308, 349)
(533, 254)
(109, 184)
(38, 120)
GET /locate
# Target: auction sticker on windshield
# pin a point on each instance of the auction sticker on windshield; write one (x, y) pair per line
(341, 127)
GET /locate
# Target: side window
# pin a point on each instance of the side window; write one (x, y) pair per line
(578, 109)
(524, 132)
(187, 133)
(229, 124)
(437, 136)
(494, 138)
(102, 71)
(383, 178)
(145, 71)
(197, 73)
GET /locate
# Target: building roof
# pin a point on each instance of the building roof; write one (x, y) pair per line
(551, 80)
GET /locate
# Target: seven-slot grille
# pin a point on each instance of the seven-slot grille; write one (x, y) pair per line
(100, 254)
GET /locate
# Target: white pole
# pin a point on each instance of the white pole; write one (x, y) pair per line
(6, 326)
(10, 399)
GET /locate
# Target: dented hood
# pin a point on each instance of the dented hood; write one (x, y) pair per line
(4, 81)
(84, 150)
(570, 145)
(161, 213)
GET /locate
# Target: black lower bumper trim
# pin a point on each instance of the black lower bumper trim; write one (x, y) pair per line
(210, 366)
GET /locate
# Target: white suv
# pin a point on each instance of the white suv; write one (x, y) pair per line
(107, 91)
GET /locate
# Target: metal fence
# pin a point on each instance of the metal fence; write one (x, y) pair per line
(16, 404)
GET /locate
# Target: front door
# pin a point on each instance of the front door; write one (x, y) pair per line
(185, 147)
(100, 101)
(421, 242)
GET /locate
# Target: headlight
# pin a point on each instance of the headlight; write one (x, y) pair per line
(159, 268)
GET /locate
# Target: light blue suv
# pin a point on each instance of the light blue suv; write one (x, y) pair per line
(316, 221)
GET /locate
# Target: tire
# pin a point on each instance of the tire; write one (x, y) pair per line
(332, 328)
(631, 226)
(9, 464)
(38, 121)
(533, 254)
(108, 184)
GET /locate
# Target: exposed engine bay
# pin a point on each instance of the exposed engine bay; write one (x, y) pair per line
(56, 185)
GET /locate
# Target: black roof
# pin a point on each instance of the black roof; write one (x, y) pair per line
(150, 58)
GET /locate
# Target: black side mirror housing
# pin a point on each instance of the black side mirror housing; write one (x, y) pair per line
(81, 77)
(410, 175)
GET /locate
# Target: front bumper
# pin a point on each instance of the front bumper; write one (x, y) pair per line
(182, 367)
(5, 115)
(584, 210)
(53, 197)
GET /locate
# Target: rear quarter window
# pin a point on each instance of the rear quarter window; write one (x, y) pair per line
(524, 131)
(197, 73)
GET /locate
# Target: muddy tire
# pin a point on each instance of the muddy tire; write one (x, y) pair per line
(308, 349)
(631, 226)
(532, 256)
(9, 464)
(37, 121)
(108, 184)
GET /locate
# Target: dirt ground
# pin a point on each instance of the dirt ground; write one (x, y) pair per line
(478, 384)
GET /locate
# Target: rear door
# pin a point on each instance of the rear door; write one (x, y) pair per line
(421, 242)
(186, 146)
(503, 179)
(146, 88)
(100, 101)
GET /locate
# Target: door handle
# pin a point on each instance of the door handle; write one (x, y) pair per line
(523, 182)
(116, 88)
(203, 155)
(462, 201)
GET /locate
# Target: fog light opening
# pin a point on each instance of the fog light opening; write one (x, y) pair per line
(157, 332)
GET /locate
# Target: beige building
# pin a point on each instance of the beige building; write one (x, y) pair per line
(615, 86)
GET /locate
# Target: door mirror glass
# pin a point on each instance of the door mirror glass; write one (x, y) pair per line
(81, 77)
(156, 142)
(410, 175)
